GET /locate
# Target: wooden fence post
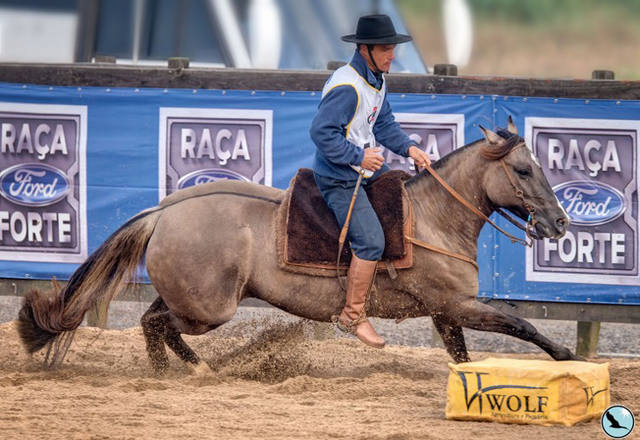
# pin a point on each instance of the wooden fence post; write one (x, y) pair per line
(335, 65)
(588, 334)
(443, 70)
(589, 331)
(603, 74)
(104, 59)
(178, 63)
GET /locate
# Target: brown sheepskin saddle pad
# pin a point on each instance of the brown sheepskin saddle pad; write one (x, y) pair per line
(310, 231)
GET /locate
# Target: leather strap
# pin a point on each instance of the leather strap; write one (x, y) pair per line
(472, 208)
(510, 219)
(528, 228)
(442, 251)
(479, 213)
(345, 229)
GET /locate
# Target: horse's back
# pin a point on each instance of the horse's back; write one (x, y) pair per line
(211, 214)
(224, 187)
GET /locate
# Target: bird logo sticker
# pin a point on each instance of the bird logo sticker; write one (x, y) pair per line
(617, 421)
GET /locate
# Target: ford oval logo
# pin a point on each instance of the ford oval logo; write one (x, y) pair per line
(200, 177)
(590, 203)
(34, 184)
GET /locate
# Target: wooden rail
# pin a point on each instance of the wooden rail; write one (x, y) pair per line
(110, 75)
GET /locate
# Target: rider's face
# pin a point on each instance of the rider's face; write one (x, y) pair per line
(383, 55)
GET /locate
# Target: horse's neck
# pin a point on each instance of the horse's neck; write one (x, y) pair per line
(439, 216)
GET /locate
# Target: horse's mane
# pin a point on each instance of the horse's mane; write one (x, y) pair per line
(487, 151)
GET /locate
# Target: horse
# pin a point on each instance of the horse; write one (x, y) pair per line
(210, 246)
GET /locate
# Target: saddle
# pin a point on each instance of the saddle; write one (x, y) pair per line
(307, 231)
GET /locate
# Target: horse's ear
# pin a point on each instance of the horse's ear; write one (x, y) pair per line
(511, 126)
(489, 135)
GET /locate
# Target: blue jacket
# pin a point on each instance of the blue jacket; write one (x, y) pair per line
(334, 153)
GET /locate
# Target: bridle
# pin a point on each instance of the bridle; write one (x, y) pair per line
(531, 221)
(528, 228)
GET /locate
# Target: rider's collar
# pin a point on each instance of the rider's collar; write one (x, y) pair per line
(360, 66)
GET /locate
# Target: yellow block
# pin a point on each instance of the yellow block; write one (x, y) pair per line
(527, 391)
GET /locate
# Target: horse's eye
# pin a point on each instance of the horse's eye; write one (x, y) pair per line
(524, 172)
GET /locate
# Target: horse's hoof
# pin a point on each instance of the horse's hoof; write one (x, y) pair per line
(574, 357)
(200, 369)
(566, 355)
(460, 358)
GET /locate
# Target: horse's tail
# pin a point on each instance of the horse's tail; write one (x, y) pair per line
(46, 315)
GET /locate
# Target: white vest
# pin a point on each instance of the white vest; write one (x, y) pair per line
(369, 104)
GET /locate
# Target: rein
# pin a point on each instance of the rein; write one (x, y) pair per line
(480, 214)
(442, 251)
(528, 228)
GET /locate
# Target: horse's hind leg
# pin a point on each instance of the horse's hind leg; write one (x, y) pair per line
(452, 336)
(154, 325)
(158, 326)
(175, 342)
(475, 315)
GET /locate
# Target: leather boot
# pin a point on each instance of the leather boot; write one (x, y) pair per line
(353, 318)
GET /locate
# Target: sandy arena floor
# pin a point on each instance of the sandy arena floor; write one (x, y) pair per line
(279, 384)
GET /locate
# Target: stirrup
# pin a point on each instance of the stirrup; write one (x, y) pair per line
(349, 327)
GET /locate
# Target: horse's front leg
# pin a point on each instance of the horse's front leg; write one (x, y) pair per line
(473, 314)
(452, 336)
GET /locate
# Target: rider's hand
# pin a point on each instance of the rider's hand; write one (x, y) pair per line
(372, 160)
(420, 158)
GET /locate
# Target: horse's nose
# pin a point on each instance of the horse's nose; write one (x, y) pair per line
(561, 224)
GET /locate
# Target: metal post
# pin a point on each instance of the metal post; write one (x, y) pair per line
(138, 20)
(233, 40)
(88, 14)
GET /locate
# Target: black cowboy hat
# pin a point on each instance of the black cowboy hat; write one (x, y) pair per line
(376, 29)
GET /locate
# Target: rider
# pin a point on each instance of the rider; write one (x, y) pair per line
(353, 114)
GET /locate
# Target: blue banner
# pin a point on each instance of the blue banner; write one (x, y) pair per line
(588, 149)
(76, 163)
